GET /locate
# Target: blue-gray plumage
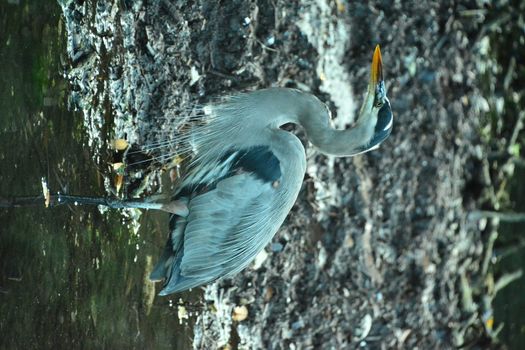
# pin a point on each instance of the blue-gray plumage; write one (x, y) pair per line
(246, 174)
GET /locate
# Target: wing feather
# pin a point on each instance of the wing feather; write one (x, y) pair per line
(225, 229)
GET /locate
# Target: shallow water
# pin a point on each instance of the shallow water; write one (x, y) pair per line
(509, 304)
(69, 276)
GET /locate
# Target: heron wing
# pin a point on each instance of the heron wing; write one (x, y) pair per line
(225, 230)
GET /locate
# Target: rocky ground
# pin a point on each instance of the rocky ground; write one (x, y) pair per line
(379, 251)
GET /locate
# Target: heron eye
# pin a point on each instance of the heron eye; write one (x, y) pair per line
(379, 104)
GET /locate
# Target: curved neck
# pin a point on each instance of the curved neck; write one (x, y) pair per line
(315, 119)
(277, 106)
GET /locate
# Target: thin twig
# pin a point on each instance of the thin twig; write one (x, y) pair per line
(502, 253)
(501, 216)
(506, 279)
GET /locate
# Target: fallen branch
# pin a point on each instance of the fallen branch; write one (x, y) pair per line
(55, 200)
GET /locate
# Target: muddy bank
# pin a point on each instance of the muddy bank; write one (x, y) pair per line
(378, 251)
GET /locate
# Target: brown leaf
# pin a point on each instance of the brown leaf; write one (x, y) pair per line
(120, 144)
(240, 313)
(119, 179)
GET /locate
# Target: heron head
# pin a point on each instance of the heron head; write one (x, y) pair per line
(376, 113)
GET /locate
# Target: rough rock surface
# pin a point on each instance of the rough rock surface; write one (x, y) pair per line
(378, 247)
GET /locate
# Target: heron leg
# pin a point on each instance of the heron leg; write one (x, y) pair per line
(177, 207)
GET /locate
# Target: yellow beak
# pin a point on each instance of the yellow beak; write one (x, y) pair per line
(376, 75)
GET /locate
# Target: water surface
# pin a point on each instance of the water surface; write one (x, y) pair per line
(70, 277)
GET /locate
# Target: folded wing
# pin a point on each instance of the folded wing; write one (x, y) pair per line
(224, 231)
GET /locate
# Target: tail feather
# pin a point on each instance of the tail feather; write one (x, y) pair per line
(164, 268)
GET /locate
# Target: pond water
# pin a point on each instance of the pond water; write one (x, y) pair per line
(70, 277)
(509, 304)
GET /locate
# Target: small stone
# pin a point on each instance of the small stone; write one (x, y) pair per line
(268, 293)
(277, 247)
(259, 260)
(182, 313)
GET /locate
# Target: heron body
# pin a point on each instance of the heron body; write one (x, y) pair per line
(247, 173)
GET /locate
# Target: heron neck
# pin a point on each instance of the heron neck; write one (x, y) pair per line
(314, 117)
(277, 106)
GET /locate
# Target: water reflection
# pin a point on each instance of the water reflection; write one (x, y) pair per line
(69, 276)
(509, 303)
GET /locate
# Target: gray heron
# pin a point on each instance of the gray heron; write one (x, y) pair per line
(246, 175)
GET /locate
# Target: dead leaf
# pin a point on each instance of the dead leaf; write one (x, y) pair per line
(119, 179)
(240, 313)
(120, 144)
